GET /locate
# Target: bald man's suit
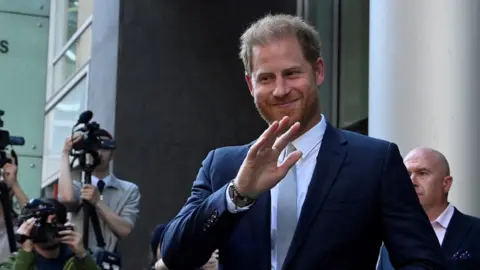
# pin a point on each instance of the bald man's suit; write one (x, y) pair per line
(461, 245)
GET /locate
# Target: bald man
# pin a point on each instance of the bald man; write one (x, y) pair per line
(457, 233)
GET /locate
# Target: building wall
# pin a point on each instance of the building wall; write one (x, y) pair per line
(23, 68)
(179, 92)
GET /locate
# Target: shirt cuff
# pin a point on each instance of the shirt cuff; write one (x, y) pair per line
(232, 208)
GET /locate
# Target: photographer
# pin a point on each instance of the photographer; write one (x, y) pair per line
(116, 201)
(9, 178)
(47, 242)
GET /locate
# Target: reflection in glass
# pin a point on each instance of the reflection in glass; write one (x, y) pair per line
(70, 16)
(320, 14)
(58, 126)
(354, 35)
(75, 57)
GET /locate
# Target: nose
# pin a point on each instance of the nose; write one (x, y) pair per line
(414, 179)
(281, 88)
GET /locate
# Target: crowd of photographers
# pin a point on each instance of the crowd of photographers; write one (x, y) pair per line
(82, 228)
(50, 233)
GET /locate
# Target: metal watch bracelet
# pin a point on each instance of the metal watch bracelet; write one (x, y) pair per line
(238, 199)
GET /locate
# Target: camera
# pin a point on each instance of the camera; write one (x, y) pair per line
(44, 230)
(91, 139)
(6, 140)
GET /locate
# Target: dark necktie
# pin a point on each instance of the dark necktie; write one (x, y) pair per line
(101, 185)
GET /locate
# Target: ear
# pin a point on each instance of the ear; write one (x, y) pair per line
(319, 69)
(248, 79)
(447, 184)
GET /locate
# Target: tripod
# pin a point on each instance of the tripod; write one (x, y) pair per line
(88, 161)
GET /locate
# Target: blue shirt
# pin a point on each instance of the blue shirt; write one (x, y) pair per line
(64, 255)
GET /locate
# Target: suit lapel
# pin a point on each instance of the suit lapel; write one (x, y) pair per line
(457, 230)
(329, 161)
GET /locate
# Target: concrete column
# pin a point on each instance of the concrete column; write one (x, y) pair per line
(425, 84)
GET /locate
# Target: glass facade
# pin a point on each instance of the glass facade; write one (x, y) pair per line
(67, 85)
(344, 30)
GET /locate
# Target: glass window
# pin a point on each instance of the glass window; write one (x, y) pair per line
(74, 58)
(70, 16)
(58, 125)
(354, 50)
(320, 14)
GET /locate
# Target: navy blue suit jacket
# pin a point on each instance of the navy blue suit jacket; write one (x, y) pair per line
(461, 245)
(360, 195)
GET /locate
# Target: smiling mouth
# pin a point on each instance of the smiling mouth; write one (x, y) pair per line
(286, 103)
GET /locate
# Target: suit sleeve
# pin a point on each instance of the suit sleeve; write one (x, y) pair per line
(201, 225)
(407, 233)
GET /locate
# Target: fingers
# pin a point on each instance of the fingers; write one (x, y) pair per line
(67, 232)
(69, 225)
(26, 226)
(282, 127)
(262, 140)
(70, 141)
(87, 189)
(269, 137)
(291, 159)
(287, 137)
(67, 238)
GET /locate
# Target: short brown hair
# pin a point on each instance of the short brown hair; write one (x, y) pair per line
(273, 27)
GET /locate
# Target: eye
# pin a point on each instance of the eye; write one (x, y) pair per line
(292, 73)
(264, 79)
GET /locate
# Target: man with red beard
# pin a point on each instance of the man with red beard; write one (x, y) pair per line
(304, 195)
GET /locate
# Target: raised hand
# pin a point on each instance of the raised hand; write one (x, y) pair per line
(260, 170)
(73, 240)
(25, 230)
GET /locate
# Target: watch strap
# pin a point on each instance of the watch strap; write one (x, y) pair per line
(238, 199)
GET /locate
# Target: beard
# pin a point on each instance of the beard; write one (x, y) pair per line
(303, 114)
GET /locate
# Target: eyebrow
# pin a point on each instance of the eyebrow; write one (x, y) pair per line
(290, 69)
(294, 68)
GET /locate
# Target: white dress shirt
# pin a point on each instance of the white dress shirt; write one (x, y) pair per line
(309, 144)
(440, 224)
(95, 180)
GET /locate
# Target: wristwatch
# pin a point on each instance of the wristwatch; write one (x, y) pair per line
(238, 199)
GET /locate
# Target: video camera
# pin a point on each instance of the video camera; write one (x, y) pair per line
(7, 140)
(44, 231)
(91, 141)
(86, 150)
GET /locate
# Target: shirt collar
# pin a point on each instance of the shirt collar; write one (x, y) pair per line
(107, 180)
(310, 139)
(444, 218)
